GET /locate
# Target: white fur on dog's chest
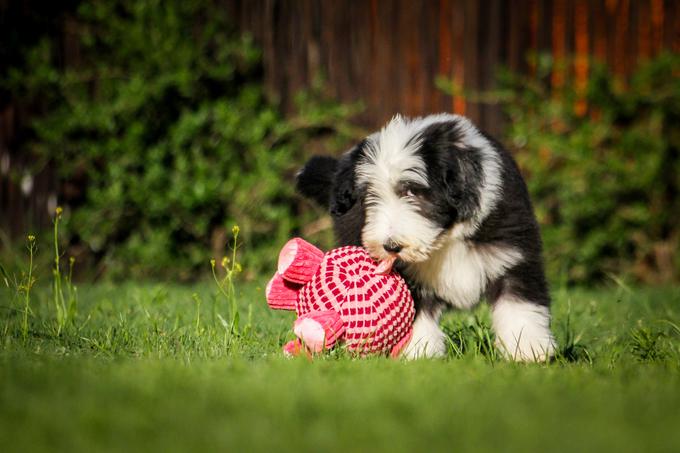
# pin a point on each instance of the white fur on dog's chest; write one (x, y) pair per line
(459, 271)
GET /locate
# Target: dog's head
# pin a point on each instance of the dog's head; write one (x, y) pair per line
(403, 189)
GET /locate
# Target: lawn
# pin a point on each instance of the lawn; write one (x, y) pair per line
(159, 367)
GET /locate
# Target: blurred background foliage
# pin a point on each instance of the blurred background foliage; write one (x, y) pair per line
(163, 136)
(602, 163)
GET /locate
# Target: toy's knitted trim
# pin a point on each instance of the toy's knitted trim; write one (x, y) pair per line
(299, 260)
(281, 294)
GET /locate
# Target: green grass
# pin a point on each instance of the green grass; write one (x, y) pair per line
(156, 367)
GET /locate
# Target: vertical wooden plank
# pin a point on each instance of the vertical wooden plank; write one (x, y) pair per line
(559, 15)
(379, 59)
(657, 13)
(330, 46)
(342, 38)
(570, 48)
(313, 50)
(306, 44)
(268, 38)
(621, 33)
(373, 97)
(581, 57)
(281, 53)
(611, 7)
(599, 24)
(631, 40)
(544, 32)
(428, 41)
(520, 33)
(396, 99)
(409, 14)
(545, 24)
(673, 28)
(388, 81)
(534, 11)
(361, 47)
(472, 52)
(445, 58)
(400, 58)
(493, 53)
(458, 49)
(296, 49)
(644, 34)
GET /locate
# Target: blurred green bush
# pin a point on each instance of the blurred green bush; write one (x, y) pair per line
(603, 166)
(164, 137)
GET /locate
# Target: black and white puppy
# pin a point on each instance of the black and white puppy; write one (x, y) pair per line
(447, 205)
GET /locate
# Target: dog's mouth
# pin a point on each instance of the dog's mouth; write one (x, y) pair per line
(385, 265)
(388, 261)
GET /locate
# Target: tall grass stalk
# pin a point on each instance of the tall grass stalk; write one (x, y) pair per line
(57, 293)
(226, 285)
(66, 312)
(198, 313)
(26, 287)
(72, 292)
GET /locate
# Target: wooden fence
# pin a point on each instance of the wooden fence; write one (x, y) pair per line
(388, 53)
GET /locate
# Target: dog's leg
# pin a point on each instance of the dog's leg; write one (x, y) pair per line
(522, 328)
(428, 340)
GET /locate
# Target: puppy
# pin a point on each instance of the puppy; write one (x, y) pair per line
(447, 207)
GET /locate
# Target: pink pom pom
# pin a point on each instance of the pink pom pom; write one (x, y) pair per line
(299, 260)
(281, 294)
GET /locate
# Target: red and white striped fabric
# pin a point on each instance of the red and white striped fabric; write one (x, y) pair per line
(377, 310)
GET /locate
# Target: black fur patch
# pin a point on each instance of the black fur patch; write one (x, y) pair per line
(453, 172)
(346, 201)
(315, 179)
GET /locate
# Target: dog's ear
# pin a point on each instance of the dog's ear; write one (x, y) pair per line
(315, 179)
(344, 193)
(462, 181)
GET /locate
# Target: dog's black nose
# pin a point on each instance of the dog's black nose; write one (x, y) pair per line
(392, 247)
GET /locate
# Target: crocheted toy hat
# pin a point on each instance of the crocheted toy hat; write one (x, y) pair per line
(341, 297)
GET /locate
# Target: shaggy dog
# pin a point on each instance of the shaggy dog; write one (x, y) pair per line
(447, 207)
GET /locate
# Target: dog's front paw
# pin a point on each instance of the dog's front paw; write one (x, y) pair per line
(523, 330)
(427, 341)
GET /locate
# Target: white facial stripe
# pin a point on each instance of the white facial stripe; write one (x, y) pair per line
(391, 155)
(391, 159)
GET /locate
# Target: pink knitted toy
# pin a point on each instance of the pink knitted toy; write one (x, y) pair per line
(341, 296)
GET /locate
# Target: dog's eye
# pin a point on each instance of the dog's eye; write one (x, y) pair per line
(411, 192)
